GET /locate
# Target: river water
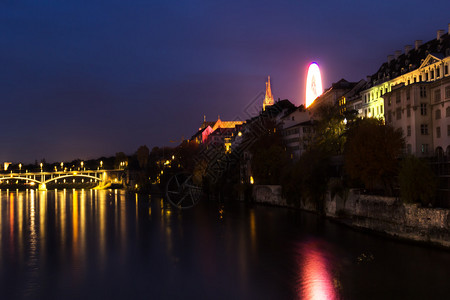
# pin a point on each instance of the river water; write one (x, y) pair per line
(79, 244)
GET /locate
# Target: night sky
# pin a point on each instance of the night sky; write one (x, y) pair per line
(84, 79)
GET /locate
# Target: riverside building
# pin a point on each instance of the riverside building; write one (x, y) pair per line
(418, 100)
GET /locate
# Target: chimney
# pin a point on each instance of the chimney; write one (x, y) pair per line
(408, 48)
(417, 44)
(390, 58)
(440, 33)
(397, 53)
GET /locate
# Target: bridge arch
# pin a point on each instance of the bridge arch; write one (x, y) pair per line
(72, 175)
(21, 178)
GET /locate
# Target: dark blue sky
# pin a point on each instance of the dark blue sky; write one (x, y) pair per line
(82, 79)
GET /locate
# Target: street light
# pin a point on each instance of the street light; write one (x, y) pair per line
(62, 165)
(41, 166)
(82, 164)
(101, 164)
(20, 167)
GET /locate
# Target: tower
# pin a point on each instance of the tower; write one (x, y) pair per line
(268, 99)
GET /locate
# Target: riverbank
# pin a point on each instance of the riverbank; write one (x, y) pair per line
(386, 215)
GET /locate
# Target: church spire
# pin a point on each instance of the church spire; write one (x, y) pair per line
(268, 99)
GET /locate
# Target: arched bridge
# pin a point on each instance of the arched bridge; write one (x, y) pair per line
(42, 178)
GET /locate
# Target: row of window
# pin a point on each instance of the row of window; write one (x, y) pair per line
(305, 129)
(423, 148)
(373, 95)
(423, 94)
(428, 75)
(437, 94)
(424, 130)
(398, 112)
(291, 131)
(423, 112)
(374, 111)
(431, 73)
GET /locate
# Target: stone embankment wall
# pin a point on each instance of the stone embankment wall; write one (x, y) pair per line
(268, 194)
(382, 214)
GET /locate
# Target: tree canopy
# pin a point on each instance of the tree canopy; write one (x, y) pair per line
(371, 153)
(269, 156)
(330, 130)
(417, 181)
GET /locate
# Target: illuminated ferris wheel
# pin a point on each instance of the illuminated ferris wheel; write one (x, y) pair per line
(313, 84)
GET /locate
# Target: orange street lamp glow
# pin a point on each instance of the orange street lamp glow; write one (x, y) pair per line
(313, 84)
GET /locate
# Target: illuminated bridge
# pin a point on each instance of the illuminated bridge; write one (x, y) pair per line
(103, 177)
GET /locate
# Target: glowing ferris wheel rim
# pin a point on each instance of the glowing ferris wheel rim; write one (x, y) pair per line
(313, 84)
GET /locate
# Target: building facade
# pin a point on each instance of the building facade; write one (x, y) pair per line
(298, 138)
(331, 96)
(427, 62)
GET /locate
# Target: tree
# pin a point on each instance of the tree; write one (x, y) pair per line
(269, 156)
(142, 155)
(330, 130)
(307, 179)
(120, 158)
(371, 153)
(417, 181)
(186, 154)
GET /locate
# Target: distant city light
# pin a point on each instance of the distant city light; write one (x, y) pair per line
(313, 84)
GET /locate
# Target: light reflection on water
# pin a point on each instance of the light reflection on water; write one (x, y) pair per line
(316, 280)
(79, 244)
